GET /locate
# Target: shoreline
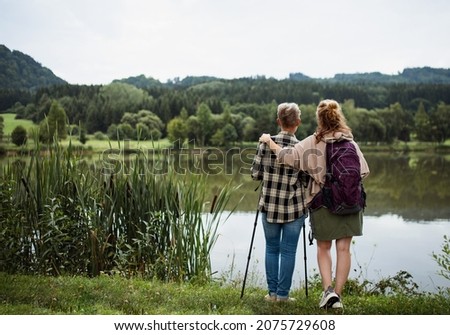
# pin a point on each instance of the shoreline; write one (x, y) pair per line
(92, 147)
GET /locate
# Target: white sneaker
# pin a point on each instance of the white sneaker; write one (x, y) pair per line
(329, 298)
(338, 304)
(270, 297)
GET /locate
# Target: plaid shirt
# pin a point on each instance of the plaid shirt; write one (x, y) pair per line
(281, 196)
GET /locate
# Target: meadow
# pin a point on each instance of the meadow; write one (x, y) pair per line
(10, 122)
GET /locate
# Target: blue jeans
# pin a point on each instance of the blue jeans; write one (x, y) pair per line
(281, 249)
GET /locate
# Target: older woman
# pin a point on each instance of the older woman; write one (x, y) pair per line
(281, 205)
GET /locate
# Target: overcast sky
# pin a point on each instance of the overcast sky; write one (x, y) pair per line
(97, 41)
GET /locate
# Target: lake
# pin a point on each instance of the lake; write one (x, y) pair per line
(406, 218)
(389, 244)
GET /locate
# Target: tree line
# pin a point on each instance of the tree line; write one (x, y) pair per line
(220, 112)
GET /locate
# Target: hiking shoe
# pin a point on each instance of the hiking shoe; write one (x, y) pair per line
(329, 298)
(270, 297)
(288, 299)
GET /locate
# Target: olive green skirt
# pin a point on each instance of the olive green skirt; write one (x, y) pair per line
(327, 226)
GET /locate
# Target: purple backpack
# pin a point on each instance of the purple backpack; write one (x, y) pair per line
(343, 192)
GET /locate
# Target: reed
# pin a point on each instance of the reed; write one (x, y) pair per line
(61, 214)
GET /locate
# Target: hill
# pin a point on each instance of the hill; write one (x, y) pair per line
(19, 71)
(424, 75)
(22, 72)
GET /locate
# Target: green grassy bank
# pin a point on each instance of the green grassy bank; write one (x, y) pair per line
(113, 295)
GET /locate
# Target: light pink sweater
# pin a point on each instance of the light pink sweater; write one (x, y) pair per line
(309, 156)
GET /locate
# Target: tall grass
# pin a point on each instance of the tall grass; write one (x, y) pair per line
(62, 215)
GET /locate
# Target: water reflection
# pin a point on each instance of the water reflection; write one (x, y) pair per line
(415, 186)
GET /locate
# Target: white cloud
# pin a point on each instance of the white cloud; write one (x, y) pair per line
(93, 42)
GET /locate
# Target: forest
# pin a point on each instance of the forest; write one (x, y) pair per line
(412, 105)
(224, 112)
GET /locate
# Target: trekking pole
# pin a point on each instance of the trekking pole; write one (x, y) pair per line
(304, 257)
(304, 239)
(251, 245)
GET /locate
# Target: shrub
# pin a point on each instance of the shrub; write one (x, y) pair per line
(98, 135)
(443, 259)
(19, 136)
